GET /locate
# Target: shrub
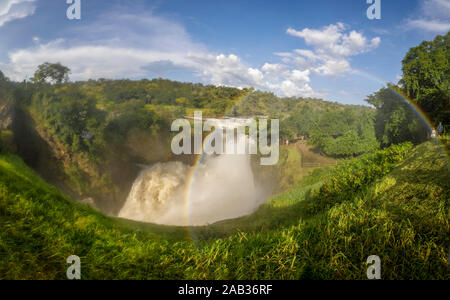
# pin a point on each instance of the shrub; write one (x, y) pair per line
(350, 177)
(7, 144)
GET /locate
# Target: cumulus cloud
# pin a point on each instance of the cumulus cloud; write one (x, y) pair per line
(116, 46)
(434, 17)
(230, 70)
(138, 45)
(133, 45)
(225, 70)
(332, 48)
(15, 9)
(130, 44)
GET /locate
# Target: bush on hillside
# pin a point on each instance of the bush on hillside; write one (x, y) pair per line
(350, 177)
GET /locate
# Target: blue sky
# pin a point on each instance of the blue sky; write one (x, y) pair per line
(320, 48)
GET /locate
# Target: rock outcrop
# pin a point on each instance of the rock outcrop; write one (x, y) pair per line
(7, 116)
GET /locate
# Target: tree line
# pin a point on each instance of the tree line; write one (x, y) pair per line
(86, 115)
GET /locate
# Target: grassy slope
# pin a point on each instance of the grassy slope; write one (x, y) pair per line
(403, 218)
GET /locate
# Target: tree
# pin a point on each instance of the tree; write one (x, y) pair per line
(347, 132)
(183, 101)
(56, 73)
(426, 77)
(395, 120)
(4, 86)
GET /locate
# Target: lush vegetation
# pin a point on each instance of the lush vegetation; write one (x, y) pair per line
(267, 104)
(391, 202)
(395, 120)
(335, 129)
(402, 216)
(350, 177)
(99, 130)
(426, 77)
(54, 73)
(425, 82)
(344, 132)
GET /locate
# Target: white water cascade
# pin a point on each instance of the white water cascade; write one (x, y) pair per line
(220, 187)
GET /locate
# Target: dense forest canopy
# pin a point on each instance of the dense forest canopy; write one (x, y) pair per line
(425, 81)
(426, 77)
(342, 131)
(395, 120)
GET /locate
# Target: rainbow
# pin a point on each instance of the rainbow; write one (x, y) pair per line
(410, 102)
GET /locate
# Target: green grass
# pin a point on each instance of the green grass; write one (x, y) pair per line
(288, 166)
(401, 216)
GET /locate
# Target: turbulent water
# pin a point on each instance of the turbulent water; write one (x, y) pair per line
(221, 187)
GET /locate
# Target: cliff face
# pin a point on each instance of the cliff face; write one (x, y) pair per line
(7, 116)
(73, 172)
(43, 152)
(107, 183)
(35, 150)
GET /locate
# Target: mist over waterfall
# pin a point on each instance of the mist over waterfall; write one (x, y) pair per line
(220, 187)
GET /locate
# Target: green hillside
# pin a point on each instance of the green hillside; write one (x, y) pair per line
(398, 209)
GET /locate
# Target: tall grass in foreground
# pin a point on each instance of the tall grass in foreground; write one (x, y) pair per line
(323, 230)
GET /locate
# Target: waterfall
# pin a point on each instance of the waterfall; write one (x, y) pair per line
(221, 187)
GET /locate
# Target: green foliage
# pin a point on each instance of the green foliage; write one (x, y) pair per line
(55, 73)
(336, 132)
(425, 81)
(182, 101)
(402, 217)
(163, 92)
(345, 133)
(260, 103)
(395, 120)
(86, 116)
(426, 77)
(348, 178)
(95, 126)
(70, 115)
(5, 88)
(7, 143)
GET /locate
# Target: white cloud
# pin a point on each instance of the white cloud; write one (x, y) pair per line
(436, 8)
(121, 45)
(136, 45)
(117, 46)
(328, 36)
(333, 67)
(273, 69)
(15, 9)
(435, 17)
(300, 76)
(332, 49)
(435, 26)
(307, 53)
(225, 70)
(88, 61)
(230, 70)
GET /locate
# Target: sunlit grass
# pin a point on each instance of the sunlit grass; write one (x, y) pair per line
(403, 217)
